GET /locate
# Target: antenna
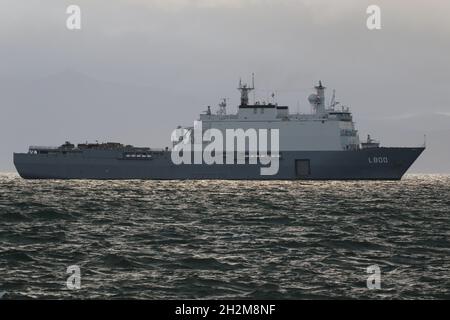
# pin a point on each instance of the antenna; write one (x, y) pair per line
(253, 86)
(333, 100)
(223, 107)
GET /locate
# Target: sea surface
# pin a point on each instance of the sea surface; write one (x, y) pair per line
(225, 239)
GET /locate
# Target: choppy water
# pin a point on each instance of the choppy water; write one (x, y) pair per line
(225, 239)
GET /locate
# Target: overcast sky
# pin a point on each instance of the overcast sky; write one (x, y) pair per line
(138, 68)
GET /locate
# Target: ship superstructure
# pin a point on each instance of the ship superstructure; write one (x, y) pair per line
(327, 128)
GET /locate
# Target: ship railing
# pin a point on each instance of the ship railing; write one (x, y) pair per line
(156, 149)
(218, 117)
(43, 148)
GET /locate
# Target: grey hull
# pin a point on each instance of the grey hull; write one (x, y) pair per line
(365, 164)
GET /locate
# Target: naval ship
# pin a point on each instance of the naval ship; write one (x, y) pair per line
(321, 145)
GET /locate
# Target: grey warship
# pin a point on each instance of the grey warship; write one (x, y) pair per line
(321, 145)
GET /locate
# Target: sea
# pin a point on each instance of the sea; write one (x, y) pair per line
(225, 239)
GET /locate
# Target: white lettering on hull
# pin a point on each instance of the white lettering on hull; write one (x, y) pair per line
(378, 160)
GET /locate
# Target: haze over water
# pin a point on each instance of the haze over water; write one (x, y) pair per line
(225, 239)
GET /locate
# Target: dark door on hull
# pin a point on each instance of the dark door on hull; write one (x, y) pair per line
(302, 168)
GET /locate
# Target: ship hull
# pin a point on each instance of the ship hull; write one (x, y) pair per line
(364, 164)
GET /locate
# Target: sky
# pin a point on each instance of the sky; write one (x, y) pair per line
(139, 68)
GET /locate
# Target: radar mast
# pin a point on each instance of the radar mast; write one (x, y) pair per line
(245, 90)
